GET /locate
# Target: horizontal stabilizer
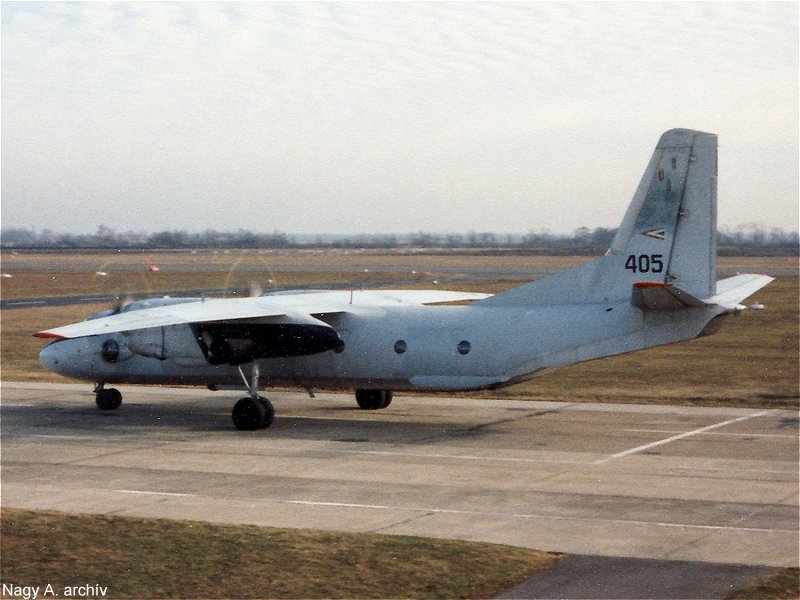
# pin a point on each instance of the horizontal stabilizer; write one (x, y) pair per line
(662, 296)
(731, 291)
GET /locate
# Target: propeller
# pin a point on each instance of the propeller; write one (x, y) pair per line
(255, 289)
(120, 301)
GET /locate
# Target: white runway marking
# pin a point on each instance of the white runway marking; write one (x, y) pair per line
(546, 461)
(479, 513)
(681, 436)
(728, 433)
(54, 436)
(148, 493)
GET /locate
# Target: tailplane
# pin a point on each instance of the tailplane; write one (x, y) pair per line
(667, 237)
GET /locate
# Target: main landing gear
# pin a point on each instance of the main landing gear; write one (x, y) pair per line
(373, 399)
(253, 412)
(107, 399)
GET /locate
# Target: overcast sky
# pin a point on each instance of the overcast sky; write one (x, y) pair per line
(386, 117)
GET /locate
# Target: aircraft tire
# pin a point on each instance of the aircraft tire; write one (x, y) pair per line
(108, 399)
(373, 399)
(269, 411)
(249, 415)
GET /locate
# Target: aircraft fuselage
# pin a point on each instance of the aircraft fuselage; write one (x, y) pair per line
(400, 348)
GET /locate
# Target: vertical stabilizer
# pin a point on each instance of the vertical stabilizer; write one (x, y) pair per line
(674, 215)
(668, 234)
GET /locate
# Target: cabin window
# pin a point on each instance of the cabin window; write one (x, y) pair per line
(661, 174)
(669, 184)
(400, 346)
(464, 347)
(674, 163)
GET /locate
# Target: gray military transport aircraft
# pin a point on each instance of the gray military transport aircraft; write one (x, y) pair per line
(655, 285)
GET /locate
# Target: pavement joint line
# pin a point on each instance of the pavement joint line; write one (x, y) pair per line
(435, 511)
(681, 436)
(402, 522)
(541, 461)
(137, 446)
(459, 457)
(56, 436)
(525, 516)
(791, 496)
(675, 550)
(78, 461)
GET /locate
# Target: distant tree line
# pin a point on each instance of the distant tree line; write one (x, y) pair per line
(750, 239)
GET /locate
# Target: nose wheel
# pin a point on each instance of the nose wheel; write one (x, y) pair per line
(107, 398)
(253, 412)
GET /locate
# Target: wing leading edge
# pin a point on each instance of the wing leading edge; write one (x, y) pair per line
(296, 308)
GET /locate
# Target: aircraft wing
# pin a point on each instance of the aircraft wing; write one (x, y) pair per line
(298, 307)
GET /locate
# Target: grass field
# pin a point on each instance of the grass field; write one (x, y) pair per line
(154, 558)
(67, 282)
(409, 257)
(783, 585)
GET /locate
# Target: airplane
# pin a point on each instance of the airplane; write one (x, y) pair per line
(655, 285)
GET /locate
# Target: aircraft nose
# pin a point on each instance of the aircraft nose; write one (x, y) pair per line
(50, 357)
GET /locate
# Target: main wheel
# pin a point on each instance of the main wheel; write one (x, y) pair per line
(373, 399)
(108, 399)
(269, 411)
(249, 415)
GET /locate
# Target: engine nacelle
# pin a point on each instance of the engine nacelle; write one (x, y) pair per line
(174, 341)
(114, 349)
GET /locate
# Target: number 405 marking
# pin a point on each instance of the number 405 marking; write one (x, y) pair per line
(645, 263)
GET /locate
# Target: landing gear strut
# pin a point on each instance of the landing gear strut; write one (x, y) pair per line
(107, 399)
(254, 411)
(373, 399)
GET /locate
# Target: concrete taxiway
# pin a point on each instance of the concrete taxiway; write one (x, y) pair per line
(661, 482)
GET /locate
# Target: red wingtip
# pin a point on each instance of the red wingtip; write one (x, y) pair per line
(47, 335)
(651, 284)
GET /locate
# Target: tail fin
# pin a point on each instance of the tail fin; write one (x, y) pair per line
(668, 234)
(674, 214)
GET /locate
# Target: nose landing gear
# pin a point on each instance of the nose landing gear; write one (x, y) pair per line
(253, 412)
(107, 399)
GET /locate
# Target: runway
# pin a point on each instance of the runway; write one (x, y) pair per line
(679, 483)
